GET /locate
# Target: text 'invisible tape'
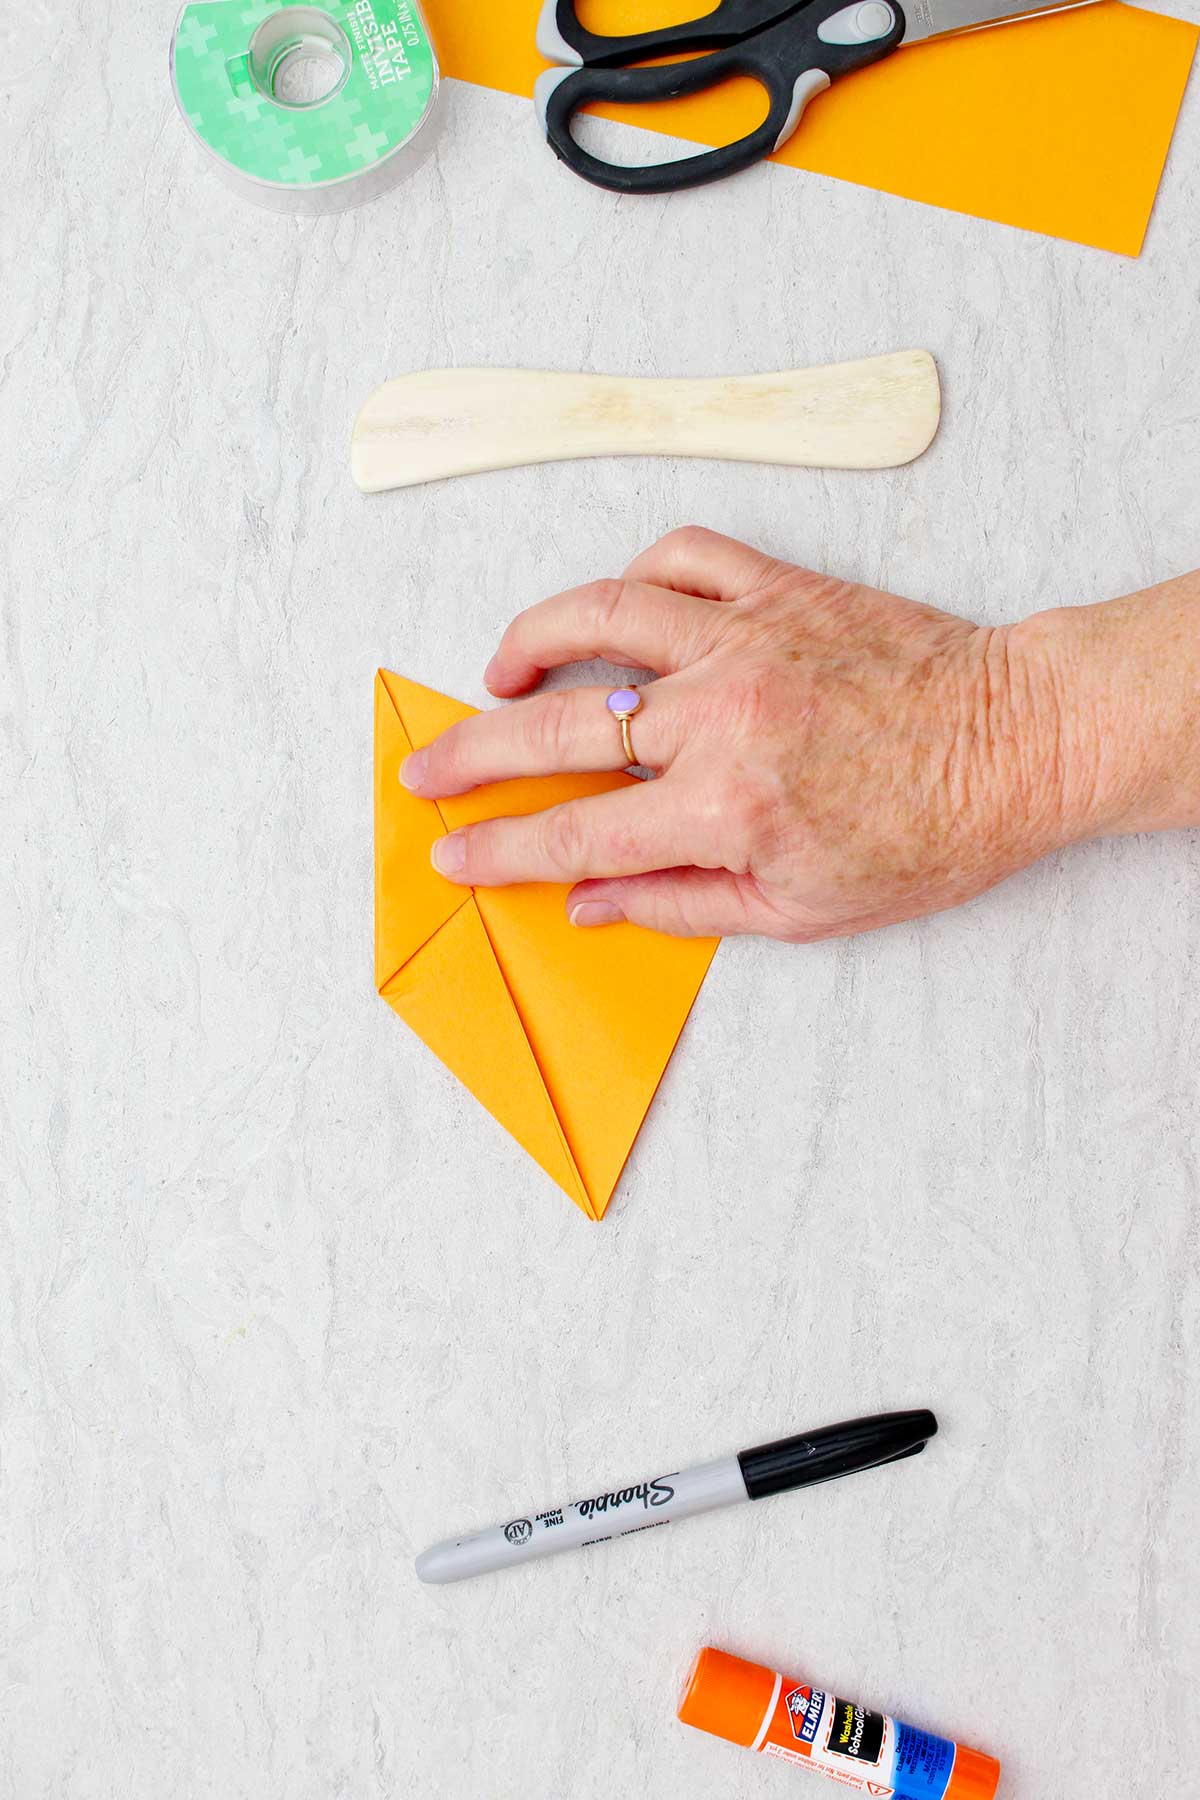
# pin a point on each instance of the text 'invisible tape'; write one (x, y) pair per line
(307, 108)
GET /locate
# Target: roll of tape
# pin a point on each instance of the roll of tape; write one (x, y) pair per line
(307, 108)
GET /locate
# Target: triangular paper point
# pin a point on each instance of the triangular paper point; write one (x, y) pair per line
(562, 1034)
(453, 996)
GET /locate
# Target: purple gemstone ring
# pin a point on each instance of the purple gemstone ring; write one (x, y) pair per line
(622, 703)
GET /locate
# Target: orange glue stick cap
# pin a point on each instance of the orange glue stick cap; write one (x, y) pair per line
(975, 1777)
(727, 1696)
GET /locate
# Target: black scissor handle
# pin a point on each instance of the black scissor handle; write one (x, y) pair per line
(790, 60)
(562, 39)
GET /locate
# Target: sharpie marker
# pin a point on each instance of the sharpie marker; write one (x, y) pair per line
(792, 1462)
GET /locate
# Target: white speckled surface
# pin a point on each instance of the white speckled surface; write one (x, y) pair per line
(281, 1305)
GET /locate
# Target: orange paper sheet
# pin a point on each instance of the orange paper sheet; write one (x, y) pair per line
(562, 1034)
(1059, 124)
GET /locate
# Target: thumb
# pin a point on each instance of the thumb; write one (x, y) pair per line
(681, 902)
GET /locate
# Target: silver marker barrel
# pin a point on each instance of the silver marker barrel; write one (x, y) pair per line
(775, 1468)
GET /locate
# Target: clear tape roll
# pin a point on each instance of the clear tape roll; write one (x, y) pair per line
(308, 109)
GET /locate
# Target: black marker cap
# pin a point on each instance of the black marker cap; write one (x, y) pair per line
(834, 1450)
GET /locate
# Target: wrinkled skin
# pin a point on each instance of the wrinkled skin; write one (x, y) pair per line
(830, 758)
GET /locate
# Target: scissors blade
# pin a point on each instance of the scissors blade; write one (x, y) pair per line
(933, 18)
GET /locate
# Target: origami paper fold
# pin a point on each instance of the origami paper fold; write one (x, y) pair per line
(1059, 124)
(562, 1034)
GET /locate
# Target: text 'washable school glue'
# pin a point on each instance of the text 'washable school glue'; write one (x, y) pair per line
(867, 1752)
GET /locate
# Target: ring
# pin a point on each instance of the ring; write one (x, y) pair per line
(622, 703)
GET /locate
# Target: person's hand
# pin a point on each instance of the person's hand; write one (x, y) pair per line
(829, 758)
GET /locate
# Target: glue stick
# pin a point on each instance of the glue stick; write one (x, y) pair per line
(864, 1751)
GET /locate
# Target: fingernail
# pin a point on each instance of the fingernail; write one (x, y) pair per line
(449, 854)
(490, 673)
(596, 912)
(412, 769)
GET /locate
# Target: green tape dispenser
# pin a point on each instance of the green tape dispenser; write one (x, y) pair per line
(307, 108)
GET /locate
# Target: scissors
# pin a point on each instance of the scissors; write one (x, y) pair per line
(793, 48)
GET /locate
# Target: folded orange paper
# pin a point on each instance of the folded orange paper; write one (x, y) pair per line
(562, 1034)
(1059, 124)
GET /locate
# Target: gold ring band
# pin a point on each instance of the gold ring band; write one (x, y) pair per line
(622, 703)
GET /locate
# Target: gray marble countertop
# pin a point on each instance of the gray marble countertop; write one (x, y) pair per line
(281, 1304)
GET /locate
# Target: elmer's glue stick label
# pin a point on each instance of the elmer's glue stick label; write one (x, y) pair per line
(866, 1752)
